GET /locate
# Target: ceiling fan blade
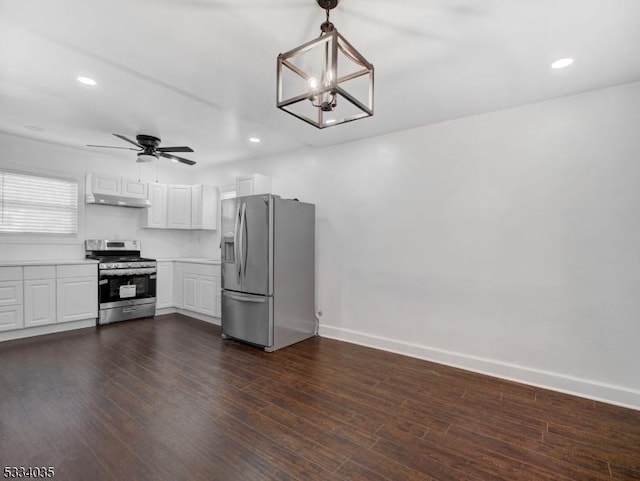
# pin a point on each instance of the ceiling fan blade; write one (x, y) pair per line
(128, 140)
(174, 149)
(179, 159)
(112, 147)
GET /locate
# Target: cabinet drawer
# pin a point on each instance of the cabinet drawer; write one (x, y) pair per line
(11, 273)
(11, 293)
(39, 272)
(202, 269)
(77, 270)
(11, 318)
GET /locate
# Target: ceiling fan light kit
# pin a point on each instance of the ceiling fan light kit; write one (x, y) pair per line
(326, 81)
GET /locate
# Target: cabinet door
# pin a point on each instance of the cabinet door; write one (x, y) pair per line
(156, 215)
(133, 188)
(11, 318)
(106, 184)
(190, 292)
(164, 285)
(10, 293)
(207, 295)
(244, 186)
(196, 207)
(218, 305)
(77, 299)
(178, 285)
(179, 207)
(253, 184)
(39, 302)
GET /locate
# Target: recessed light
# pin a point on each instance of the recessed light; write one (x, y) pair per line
(255, 140)
(562, 63)
(87, 81)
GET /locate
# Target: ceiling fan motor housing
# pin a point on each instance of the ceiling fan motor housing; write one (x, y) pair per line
(148, 141)
(327, 4)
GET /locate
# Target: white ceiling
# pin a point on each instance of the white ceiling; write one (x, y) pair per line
(202, 72)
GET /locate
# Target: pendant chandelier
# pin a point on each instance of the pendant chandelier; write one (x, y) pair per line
(326, 81)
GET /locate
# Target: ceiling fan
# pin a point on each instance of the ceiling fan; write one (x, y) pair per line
(149, 149)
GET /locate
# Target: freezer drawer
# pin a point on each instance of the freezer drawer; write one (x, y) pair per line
(247, 318)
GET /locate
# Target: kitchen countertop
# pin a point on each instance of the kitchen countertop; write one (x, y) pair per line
(48, 262)
(191, 260)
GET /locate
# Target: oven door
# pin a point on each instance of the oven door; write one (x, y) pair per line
(125, 287)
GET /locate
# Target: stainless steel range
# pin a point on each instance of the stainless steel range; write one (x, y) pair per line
(126, 281)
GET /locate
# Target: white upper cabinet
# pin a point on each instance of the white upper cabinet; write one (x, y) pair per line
(104, 184)
(110, 190)
(133, 188)
(204, 207)
(156, 215)
(196, 207)
(253, 184)
(179, 207)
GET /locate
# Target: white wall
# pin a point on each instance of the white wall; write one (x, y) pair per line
(506, 243)
(96, 221)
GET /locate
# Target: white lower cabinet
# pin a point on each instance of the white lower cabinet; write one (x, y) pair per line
(77, 292)
(33, 296)
(39, 302)
(207, 295)
(191, 292)
(164, 285)
(11, 299)
(39, 295)
(197, 288)
(178, 285)
(11, 318)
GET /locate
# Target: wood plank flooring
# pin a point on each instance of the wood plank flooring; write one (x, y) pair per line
(167, 399)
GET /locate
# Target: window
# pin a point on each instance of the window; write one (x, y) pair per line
(40, 205)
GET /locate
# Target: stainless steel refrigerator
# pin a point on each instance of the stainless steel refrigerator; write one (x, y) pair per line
(268, 270)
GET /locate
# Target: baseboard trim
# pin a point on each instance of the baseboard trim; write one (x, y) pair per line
(195, 315)
(48, 329)
(608, 393)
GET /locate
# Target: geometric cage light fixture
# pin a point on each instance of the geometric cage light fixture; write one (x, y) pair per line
(326, 81)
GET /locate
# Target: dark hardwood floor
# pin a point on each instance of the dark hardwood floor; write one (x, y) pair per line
(167, 399)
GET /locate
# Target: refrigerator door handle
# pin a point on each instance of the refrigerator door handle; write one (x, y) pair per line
(239, 297)
(236, 243)
(245, 240)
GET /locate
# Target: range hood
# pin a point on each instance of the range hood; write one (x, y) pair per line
(117, 200)
(108, 190)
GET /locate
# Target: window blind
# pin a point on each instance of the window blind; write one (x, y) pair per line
(35, 204)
